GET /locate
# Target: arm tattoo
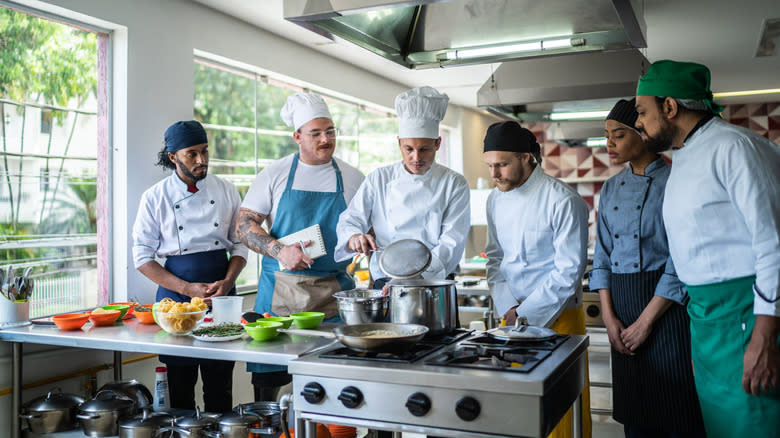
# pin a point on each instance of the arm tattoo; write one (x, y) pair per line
(251, 233)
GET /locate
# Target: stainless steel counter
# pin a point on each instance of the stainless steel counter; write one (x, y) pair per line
(132, 337)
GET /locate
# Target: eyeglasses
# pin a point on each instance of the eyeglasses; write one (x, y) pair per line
(330, 133)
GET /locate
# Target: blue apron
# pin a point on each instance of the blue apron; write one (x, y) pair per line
(201, 267)
(299, 209)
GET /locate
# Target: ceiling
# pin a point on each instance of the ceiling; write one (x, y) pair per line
(722, 34)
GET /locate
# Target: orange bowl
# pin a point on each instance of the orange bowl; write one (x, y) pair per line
(130, 312)
(104, 319)
(70, 321)
(145, 317)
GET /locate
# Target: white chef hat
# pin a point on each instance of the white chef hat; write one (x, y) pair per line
(302, 108)
(419, 112)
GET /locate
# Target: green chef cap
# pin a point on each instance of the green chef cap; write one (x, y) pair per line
(681, 80)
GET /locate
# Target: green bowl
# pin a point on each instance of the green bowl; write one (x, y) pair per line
(122, 308)
(307, 320)
(262, 330)
(285, 320)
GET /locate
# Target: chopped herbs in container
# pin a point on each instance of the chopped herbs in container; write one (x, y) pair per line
(220, 330)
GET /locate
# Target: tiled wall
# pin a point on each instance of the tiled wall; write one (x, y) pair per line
(591, 165)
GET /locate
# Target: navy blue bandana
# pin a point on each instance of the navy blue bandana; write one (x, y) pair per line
(183, 134)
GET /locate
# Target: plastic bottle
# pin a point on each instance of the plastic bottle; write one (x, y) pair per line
(161, 397)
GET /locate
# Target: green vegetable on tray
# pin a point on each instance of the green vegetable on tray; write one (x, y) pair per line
(220, 330)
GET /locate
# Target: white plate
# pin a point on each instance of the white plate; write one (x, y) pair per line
(218, 338)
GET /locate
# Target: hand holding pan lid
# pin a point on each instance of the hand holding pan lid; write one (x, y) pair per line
(406, 258)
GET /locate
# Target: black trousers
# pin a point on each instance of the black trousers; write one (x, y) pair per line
(217, 376)
(266, 385)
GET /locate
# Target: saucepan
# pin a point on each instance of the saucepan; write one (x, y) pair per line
(371, 337)
(522, 332)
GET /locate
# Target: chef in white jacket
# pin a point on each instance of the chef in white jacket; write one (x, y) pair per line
(415, 198)
(537, 241)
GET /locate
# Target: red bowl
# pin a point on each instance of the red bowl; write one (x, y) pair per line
(104, 319)
(70, 321)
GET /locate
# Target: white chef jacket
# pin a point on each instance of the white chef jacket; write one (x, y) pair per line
(536, 248)
(432, 208)
(267, 189)
(173, 221)
(722, 210)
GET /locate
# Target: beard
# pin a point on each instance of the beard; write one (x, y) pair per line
(663, 141)
(189, 174)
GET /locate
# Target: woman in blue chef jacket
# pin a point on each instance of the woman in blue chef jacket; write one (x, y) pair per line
(642, 300)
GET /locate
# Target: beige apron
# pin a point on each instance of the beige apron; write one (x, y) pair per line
(304, 293)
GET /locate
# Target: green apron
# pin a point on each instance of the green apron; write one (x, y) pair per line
(722, 322)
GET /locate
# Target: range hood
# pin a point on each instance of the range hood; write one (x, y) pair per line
(438, 33)
(530, 90)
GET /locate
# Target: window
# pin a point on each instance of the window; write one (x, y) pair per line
(49, 158)
(240, 111)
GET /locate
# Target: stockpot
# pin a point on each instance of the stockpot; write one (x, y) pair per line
(56, 412)
(240, 425)
(199, 425)
(148, 425)
(432, 303)
(100, 416)
(132, 389)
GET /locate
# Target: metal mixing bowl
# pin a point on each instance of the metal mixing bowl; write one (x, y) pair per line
(361, 306)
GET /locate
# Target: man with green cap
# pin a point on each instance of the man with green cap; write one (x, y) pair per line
(722, 216)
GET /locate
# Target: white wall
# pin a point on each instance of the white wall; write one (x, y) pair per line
(153, 43)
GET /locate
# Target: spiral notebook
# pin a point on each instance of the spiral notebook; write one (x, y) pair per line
(313, 233)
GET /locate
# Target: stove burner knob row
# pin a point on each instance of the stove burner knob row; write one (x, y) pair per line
(418, 404)
(467, 408)
(351, 397)
(313, 392)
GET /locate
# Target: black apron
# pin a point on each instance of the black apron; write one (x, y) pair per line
(654, 389)
(200, 267)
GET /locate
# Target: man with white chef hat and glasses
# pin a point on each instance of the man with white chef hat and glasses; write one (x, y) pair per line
(189, 219)
(415, 198)
(537, 242)
(293, 193)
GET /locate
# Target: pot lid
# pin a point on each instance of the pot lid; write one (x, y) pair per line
(148, 420)
(53, 401)
(522, 332)
(241, 418)
(404, 258)
(105, 401)
(197, 420)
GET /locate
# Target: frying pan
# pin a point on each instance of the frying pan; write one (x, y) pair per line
(371, 337)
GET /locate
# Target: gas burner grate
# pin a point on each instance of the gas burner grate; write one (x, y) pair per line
(549, 345)
(517, 359)
(408, 355)
(446, 338)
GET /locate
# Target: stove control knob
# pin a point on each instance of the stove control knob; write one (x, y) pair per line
(418, 404)
(313, 392)
(351, 397)
(467, 408)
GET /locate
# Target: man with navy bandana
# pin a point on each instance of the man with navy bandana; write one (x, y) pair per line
(189, 218)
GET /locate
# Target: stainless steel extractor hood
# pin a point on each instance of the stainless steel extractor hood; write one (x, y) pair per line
(529, 90)
(438, 33)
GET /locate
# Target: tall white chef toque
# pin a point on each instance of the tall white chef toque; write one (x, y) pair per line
(302, 108)
(419, 112)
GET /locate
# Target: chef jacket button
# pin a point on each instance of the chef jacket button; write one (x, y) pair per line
(617, 236)
(616, 263)
(636, 265)
(615, 208)
(180, 228)
(636, 236)
(622, 183)
(177, 206)
(184, 250)
(638, 207)
(212, 201)
(216, 242)
(216, 224)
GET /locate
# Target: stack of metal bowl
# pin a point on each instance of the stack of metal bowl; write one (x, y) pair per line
(361, 306)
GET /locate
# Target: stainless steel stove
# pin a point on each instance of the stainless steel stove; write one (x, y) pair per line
(469, 385)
